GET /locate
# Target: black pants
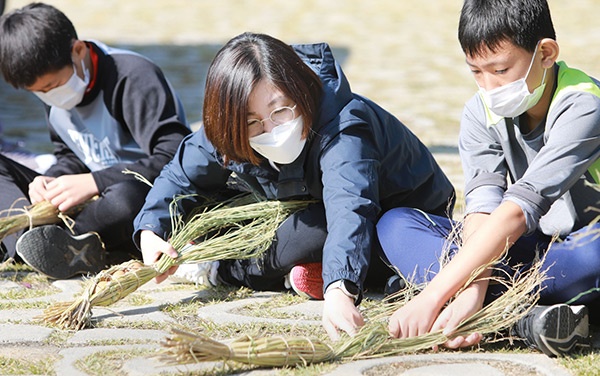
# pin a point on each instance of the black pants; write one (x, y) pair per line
(111, 215)
(299, 239)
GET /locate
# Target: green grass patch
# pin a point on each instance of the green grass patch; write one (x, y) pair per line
(137, 324)
(138, 299)
(270, 308)
(110, 362)
(256, 329)
(117, 342)
(58, 337)
(27, 292)
(27, 284)
(583, 363)
(13, 366)
(216, 295)
(12, 304)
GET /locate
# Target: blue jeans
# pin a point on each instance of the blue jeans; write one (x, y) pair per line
(413, 242)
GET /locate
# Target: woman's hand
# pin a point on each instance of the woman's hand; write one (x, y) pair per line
(153, 247)
(340, 313)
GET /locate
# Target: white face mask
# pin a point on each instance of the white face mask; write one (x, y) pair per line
(513, 99)
(68, 95)
(283, 144)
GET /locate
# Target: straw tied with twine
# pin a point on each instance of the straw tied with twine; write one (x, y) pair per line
(239, 228)
(13, 220)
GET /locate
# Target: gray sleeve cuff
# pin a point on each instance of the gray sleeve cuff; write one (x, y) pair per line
(534, 206)
(484, 199)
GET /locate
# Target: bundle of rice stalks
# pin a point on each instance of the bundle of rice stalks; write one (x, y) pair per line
(185, 348)
(16, 219)
(106, 288)
(372, 341)
(234, 230)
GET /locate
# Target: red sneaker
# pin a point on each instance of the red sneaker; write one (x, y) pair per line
(307, 280)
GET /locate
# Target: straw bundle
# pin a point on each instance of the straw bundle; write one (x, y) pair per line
(239, 230)
(521, 295)
(373, 340)
(185, 348)
(42, 213)
(106, 288)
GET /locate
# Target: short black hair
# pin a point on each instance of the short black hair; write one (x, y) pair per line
(34, 40)
(486, 23)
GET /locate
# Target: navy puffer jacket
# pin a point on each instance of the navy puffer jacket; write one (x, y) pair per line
(360, 160)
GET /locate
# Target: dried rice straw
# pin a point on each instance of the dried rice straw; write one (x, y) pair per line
(372, 341)
(41, 213)
(185, 348)
(239, 230)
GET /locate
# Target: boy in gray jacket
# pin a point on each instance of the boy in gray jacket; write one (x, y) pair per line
(530, 147)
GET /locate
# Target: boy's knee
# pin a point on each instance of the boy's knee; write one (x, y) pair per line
(395, 215)
(398, 219)
(393, 222)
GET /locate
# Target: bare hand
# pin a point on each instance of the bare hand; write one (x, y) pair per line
(37, 188)
(63, 192)
(415, 318)
(465, 305)
(153, 247)
(340, 313)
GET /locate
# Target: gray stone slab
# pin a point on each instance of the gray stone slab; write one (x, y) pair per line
(461, 363)
(66, 365)
(172, 297)
(224, 313)
(16, 333)
(311, 308)
(9, 285)
(466, 369)
(69, 290)
(130, 314)
(20, 315)
(104, 334)
(144, 366)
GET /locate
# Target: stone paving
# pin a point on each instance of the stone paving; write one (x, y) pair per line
(128, 329)
(402, 54)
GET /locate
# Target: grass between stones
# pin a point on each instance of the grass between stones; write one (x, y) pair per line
(16, 366)
(19, 288)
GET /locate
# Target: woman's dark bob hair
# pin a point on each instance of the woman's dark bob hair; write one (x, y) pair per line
(238, 67)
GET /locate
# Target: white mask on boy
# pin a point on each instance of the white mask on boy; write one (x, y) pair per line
(68, 95)
(513, 99)
(283, 144)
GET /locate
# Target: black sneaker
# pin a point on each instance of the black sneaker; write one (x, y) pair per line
(394, 284)
(52, 251)
(555, 329)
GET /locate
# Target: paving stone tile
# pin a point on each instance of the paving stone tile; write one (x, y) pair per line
(18, 333)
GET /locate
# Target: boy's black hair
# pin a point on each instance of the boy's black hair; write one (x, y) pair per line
(34, 40)
(486, 23)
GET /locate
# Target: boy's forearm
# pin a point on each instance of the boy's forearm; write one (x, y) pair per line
(504, 226)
